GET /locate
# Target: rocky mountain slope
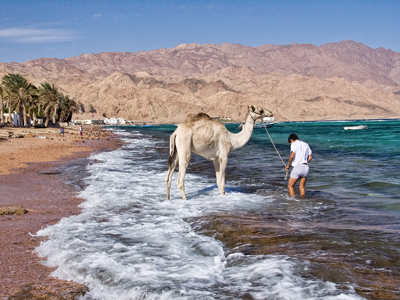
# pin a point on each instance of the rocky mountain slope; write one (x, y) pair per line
(345, 80)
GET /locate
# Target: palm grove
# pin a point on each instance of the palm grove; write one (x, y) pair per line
(18, 95)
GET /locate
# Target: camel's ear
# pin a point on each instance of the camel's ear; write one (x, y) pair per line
(253, 108)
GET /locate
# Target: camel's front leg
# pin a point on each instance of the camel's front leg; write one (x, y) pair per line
(220, 167)
(217, 173)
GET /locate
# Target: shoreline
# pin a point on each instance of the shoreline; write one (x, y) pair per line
(151, 124)
(30, 179)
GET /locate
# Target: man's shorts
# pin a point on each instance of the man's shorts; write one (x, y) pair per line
(301, 170)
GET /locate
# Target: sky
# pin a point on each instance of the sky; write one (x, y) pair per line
(31, 29)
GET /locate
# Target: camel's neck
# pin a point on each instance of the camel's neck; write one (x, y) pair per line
(240, 139)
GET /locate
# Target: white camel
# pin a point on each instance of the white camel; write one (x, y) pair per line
(208, 138)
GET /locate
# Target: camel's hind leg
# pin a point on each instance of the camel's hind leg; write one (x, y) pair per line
(171, 168)
(183, 144)
(184, 159)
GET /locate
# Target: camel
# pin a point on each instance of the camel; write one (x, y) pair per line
(210, 139)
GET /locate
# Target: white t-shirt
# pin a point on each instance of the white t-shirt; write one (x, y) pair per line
(301, 151)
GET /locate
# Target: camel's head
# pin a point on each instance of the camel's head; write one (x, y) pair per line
(259, 113)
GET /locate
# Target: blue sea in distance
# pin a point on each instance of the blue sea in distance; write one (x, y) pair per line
(341, 241)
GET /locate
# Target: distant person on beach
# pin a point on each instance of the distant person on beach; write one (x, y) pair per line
(62, 131)
(300, 156)
(80, 130)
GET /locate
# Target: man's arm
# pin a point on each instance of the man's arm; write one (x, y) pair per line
(309, 158)
(291, 157)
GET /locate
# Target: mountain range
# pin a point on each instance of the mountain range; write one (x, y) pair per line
(344, 80)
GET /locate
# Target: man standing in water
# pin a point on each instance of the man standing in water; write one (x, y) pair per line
(300, 156)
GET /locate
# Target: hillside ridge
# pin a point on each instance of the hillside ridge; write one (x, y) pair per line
(344, 80)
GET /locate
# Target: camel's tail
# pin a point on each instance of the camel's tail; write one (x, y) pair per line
(171, 162)
(172, 150)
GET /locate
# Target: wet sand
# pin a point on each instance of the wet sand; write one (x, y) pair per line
(29, 179)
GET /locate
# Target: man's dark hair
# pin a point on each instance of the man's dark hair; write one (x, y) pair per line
(292, 137)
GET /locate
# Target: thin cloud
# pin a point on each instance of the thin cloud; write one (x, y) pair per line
(33, 35)
(102, 17)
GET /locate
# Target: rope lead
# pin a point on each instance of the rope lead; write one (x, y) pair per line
(287, 171)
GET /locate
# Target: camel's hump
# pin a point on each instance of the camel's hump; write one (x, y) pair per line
(199, 116)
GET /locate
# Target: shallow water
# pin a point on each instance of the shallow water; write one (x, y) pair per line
(339, 242)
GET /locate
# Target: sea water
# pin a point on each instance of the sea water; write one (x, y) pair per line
(129, 242)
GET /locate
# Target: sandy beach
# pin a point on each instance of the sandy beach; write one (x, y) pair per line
(29, 180)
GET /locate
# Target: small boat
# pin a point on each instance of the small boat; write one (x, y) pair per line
(355, 127)
(268, 122)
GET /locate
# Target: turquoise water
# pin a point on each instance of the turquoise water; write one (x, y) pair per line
(352, 206)
(341, 241)
(359, 168)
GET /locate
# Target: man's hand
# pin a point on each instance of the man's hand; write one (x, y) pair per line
(291, 157)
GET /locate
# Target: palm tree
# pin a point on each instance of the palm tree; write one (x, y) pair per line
(49, 99)
(19, 92)
(67, 107)
(8, 107)
(33, 107)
